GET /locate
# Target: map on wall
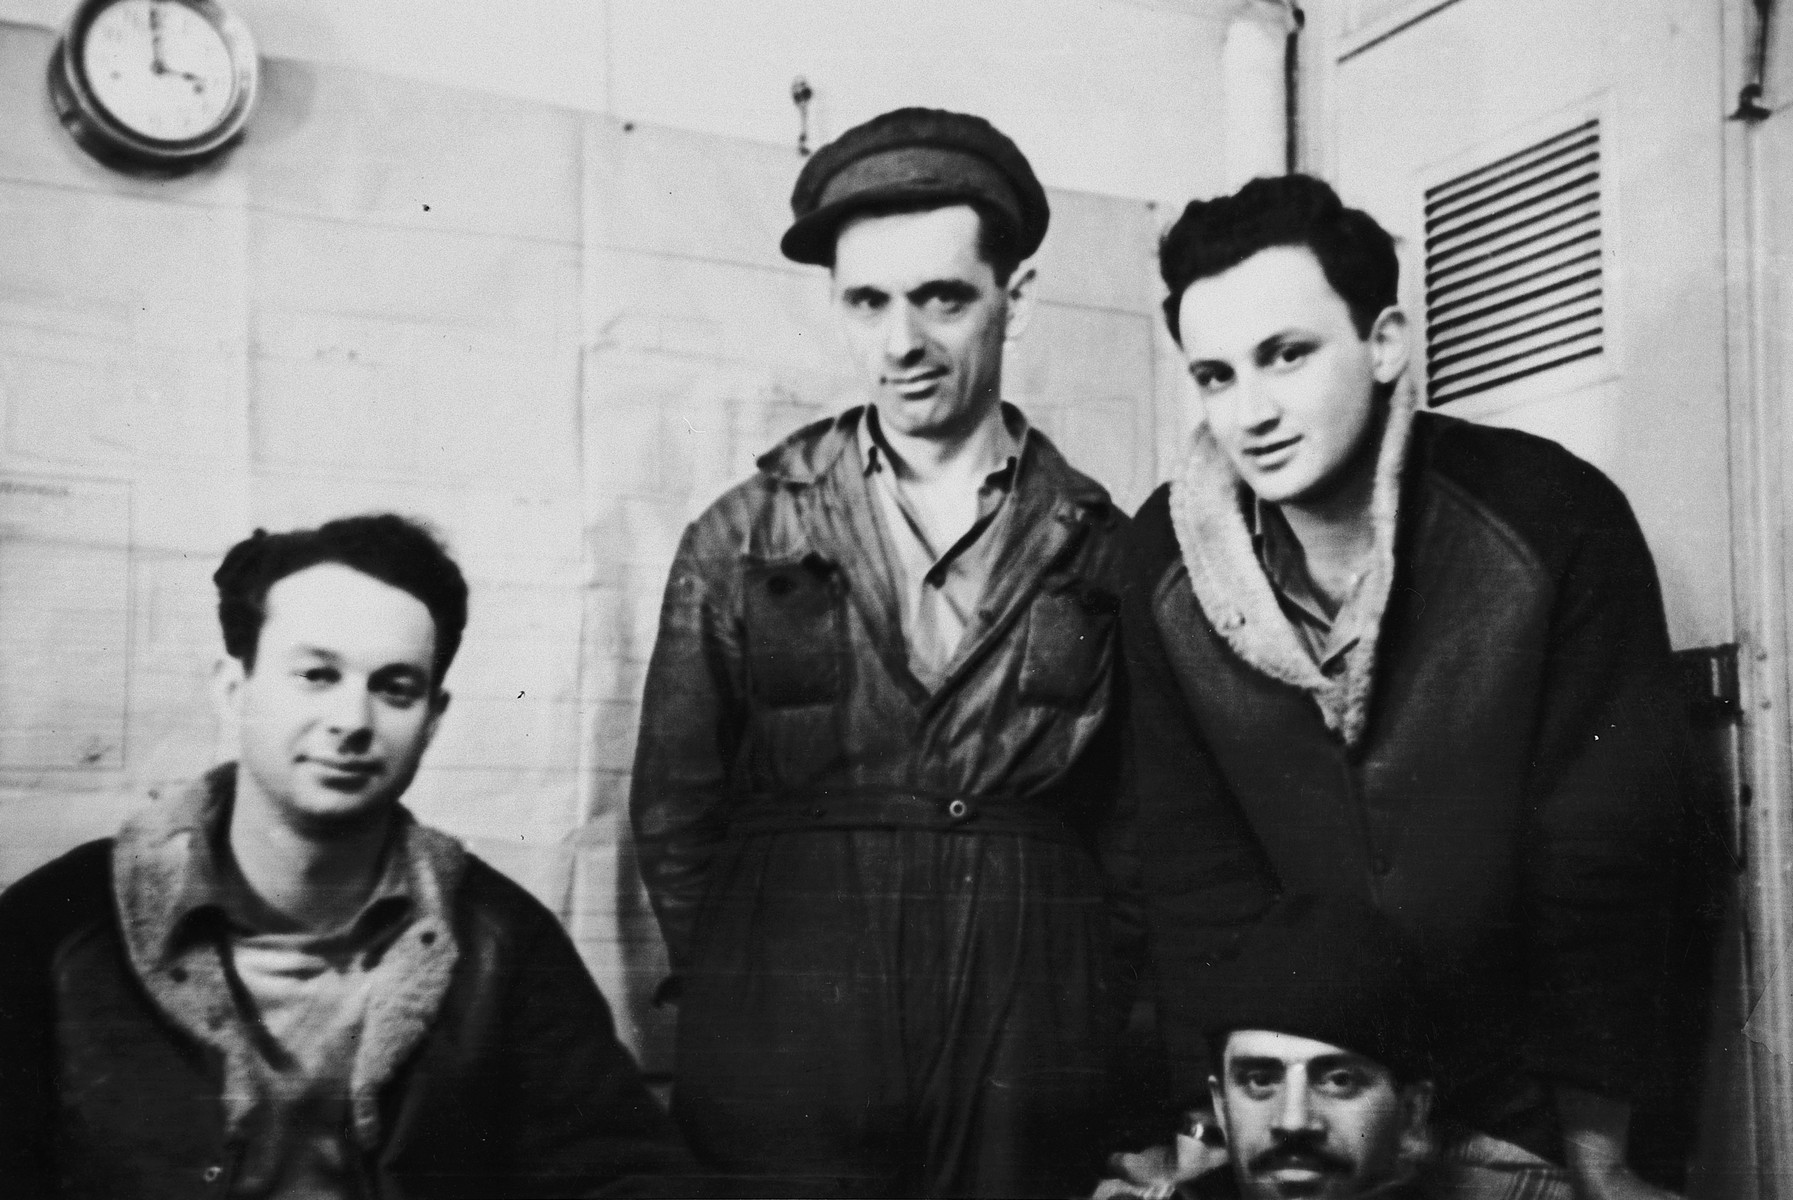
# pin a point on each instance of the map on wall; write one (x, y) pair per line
(64, 622)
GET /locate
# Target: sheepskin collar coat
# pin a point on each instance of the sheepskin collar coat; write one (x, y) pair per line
(1500, 763)
(164, 851)
(487, 1063)
(1235, 594)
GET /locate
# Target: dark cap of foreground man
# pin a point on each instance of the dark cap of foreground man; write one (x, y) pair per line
(915, 157)
(1335, 970)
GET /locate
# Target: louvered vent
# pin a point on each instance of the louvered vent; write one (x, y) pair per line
(1513, 267)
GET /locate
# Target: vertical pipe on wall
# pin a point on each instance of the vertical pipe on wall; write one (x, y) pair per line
(1254, 82)
(1291, 74)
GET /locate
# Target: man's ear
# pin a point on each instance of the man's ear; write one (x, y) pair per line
(228, 677)
(1388, 344)
(438, 705)
(1416, 1122)
(1217, 1097)
(1020, 291)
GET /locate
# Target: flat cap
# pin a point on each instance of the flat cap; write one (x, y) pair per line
(915, 156)
(1336, 970)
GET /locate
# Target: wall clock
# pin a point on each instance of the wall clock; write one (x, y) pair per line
(158, 84)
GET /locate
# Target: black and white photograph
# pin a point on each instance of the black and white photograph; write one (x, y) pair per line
(1097, 599)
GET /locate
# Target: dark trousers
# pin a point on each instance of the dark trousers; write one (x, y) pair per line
(898, 1013)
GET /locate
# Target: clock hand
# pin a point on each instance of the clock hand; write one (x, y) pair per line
(156, 65)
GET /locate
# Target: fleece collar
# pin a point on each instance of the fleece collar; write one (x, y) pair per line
(154, 863)
(1236, 596)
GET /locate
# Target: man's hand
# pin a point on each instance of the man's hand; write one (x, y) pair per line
(1155, 1172)
(1618, 1183)
(1594, 1133)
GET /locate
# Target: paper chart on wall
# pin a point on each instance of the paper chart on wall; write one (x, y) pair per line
(64, 622)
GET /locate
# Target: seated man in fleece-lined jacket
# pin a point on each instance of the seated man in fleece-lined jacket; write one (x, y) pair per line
(277, 983)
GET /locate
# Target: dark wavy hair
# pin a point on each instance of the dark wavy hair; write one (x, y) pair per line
(393, 549)
(1356, 255)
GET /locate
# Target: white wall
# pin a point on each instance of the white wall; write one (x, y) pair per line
(555, 332)
(1114, 96)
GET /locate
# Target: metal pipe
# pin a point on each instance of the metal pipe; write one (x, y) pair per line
(1292, 88)
(1749, 98)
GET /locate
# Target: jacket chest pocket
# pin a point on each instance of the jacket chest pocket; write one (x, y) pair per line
(1070, 635)
(792, 614)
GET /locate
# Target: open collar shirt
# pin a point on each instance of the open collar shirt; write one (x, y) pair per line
(940, 588)
(215, 897)
(1327, 630)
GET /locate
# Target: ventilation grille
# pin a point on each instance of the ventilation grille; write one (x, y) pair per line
(1513, 266)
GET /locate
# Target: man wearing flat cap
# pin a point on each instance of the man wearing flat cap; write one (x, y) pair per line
(876, 759)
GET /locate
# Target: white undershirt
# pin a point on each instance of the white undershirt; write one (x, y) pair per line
(310, 995)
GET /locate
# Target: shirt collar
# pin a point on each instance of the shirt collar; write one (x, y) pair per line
(1010, 450)
(212, 892)
(1280, 555)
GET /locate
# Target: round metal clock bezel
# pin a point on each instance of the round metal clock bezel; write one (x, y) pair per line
(107, 137)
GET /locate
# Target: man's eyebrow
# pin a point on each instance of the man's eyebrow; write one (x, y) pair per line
(1344, 1059)
(864, 291)
(943, 289)
(315, 652)
(1252, 1063)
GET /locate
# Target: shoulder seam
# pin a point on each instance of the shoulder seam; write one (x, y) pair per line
(1500, 527)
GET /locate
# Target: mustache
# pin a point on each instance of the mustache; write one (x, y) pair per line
(1299, 1152)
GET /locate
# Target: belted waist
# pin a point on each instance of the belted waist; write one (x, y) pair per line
(944, 813)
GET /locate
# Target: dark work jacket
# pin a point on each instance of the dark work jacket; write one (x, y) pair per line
(518, 1088)
(1501, 770)
(779, 696)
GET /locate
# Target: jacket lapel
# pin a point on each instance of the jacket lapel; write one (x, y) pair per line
(835, 515)
(843, 512)
(1049, 512)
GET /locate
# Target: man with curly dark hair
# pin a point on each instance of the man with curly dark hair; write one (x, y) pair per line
(279, 984)
(1394, 655)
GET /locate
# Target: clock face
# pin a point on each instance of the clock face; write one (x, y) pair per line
(160, 68)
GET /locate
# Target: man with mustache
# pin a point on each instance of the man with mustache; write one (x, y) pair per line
(1323, 1032)
(876, 753)
(277, 983)
(1324, 1070)
(1383, 652)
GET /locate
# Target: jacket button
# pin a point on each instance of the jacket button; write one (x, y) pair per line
(957, 810)
(211, 1173)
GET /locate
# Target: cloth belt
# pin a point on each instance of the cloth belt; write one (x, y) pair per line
(1035, 816)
